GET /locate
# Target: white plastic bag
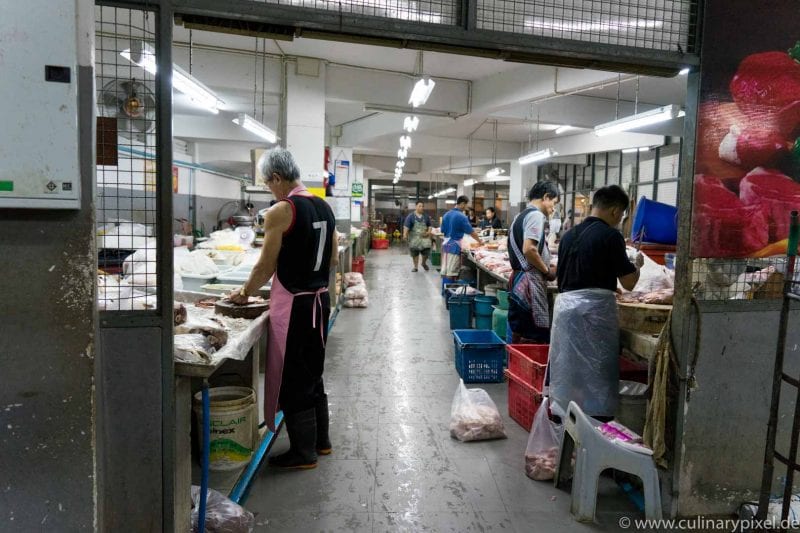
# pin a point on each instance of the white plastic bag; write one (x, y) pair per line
(356, 292)
(474, 416)
(222, 514)
(541, 455)
(357, 302)
(353, 278)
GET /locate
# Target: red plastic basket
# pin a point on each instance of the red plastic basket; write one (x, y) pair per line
(380, 244)
(528, 362)
(523, 401)
(358, 264)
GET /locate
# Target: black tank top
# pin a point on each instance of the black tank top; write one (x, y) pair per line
(517, 232)
(305, 256)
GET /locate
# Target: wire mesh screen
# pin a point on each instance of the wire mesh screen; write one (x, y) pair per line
(741, 279)
(430, 11)
(126, 164)
(647, 24)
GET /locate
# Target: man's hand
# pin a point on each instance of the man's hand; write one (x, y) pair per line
(238, 297)
(639, 260)
(551, 274)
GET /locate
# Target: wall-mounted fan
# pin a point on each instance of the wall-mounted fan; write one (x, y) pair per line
(132, 104)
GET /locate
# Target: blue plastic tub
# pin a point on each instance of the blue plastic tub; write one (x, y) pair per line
(460, 312)
(483, 321)
(480, 355)
(655, 222)
(483, 306)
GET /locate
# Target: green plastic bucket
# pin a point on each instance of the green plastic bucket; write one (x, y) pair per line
(436, 259)
(502, 298)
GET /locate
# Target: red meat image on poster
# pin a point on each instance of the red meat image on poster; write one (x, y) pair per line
(747, 164)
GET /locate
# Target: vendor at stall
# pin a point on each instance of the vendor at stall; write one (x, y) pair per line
(455, 225)
(584, 350)
(490, 220)
(528, 316)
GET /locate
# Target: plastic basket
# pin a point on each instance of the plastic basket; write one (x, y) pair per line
(358, 264)
(460, 312)
(523, 401)
(479, 355)
(500, 322)
(528, 362)
(380, 244)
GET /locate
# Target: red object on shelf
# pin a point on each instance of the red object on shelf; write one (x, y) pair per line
(380, 244)
(523, 401)
(656, 252)
(630, 371)
(528, 362)
(358, 264)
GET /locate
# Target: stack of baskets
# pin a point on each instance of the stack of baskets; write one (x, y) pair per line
(527, 364)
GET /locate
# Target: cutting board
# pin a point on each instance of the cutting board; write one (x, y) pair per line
(249, 311)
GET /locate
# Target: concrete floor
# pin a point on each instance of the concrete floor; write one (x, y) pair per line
(390, 378)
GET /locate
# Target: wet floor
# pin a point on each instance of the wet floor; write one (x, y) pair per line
(390, 378)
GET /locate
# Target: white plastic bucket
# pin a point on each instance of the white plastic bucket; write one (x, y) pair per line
(234, 426)
(632, 410)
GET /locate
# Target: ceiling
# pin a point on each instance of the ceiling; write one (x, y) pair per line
(502, 109)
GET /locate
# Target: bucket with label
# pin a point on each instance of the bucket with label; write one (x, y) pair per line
(234, 426)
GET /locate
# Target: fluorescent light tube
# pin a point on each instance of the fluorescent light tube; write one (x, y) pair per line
(182, 81)
(402, 153)
(493, 173)
(451, 202)
(634, 150)
(541, 155)
(254, 126)
(562, 129)
(410, 124)
(683, 71)
(405, 142)
(422, 90)
(430, 197)
(470, 182)
(654, 116)
(401, 164)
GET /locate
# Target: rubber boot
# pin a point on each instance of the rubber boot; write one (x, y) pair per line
(302, 430)
(324, 446)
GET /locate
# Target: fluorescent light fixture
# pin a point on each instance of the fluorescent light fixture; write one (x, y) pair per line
(410, 124)
(562, 129)
(430, 197)
(451, 202)
(684, 71)
(402, 153)
(182, 81)
(541, 155)
(405, 142)
(470, 182)
(401, 164)
(610, 25)
(422, 90)
(493, 173)
(254, 126)
(634, 150)
(654, 116)
(405, 110)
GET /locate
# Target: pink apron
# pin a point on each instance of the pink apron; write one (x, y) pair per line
(280, 310)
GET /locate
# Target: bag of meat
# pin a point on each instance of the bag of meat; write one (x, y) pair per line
(541, 455)
(474, 416)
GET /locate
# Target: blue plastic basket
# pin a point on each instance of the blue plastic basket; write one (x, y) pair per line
(484, 306)
(460, 312)
(655, 222)
(480, 355)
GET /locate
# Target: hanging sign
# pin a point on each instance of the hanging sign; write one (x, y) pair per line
(341, 174)
(357, 190)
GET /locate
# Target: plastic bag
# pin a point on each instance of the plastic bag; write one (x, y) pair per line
(192, 348)
(357, 302)
(222, 514)
(474, 416)
(353, 278)
(541, 455)
(196, 263)
(356, 292)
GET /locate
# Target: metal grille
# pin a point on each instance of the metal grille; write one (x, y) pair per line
(430, 11)
(648, 24)
(126, 164)
(740, 279)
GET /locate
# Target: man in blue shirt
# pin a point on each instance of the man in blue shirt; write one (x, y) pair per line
(455, 225)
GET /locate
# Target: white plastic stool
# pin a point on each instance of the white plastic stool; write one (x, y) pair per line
(596, 453)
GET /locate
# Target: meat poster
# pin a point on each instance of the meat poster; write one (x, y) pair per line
(747, 162)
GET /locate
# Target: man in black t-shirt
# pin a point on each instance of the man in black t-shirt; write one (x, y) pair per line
(584, 353)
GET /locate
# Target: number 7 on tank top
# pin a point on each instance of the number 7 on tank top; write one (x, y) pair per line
(322, 226)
